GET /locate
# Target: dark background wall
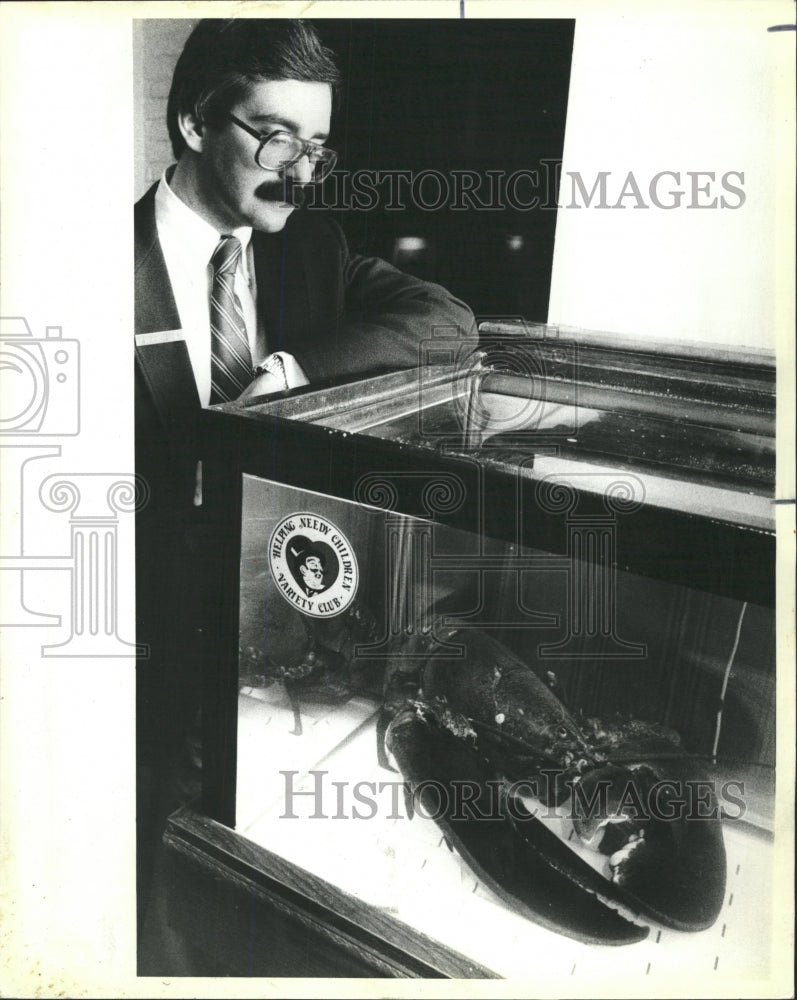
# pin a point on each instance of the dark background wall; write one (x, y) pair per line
(424, 95)
(456, 96)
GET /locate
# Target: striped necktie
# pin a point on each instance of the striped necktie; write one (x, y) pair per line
(230, 357)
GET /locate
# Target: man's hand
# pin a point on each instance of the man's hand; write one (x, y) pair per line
(263, 385)
(284, 373)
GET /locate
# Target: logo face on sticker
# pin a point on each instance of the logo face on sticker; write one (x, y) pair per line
(313, 565)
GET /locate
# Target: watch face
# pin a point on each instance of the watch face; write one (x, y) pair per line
(272, 365)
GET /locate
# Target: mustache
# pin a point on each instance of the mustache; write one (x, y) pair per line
(282, 189)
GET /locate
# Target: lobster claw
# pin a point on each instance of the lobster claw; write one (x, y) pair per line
(514, 854)
(665, 844)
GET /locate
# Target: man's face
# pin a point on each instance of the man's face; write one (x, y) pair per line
(234, 190)
(312, 573)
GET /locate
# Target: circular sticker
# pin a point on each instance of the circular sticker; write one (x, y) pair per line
(313, 565)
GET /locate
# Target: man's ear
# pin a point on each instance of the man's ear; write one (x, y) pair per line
(191, 129)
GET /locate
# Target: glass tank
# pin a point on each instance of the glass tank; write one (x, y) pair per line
(506, 654)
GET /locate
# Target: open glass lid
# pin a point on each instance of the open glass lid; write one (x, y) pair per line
(540, 401)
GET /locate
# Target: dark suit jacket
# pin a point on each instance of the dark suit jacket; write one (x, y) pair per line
(339, 314)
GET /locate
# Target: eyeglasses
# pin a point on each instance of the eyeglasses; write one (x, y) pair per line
(280, 150)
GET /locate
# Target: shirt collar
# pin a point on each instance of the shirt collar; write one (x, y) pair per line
(197, 238)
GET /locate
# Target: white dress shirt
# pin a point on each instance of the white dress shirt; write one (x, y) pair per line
(188, 243)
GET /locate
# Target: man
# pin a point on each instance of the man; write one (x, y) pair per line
(249, 113)
(238, 292)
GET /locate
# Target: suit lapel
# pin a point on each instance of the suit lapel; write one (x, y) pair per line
(282, 289)
(161, 352)
(155, 306)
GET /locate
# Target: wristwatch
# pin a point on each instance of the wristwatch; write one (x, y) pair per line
(272, 365)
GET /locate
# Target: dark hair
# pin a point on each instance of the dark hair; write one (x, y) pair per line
(222, 57)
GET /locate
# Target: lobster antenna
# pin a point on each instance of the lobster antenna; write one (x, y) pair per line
(725, 682)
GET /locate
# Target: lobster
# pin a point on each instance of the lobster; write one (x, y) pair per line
(486, 724)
